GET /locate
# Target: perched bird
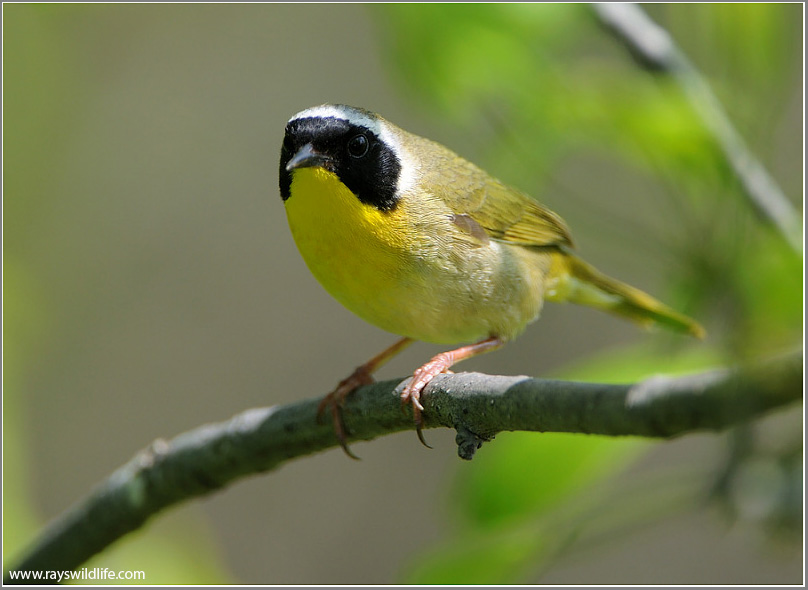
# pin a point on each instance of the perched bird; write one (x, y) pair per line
(424, 244)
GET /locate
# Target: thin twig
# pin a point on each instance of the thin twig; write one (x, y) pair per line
(478, 406)
(654, 49)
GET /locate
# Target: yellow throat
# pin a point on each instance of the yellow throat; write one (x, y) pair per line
(353, 249)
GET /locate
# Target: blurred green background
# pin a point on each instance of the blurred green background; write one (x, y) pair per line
(151, 285)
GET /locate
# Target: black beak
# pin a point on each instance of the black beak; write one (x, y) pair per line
(306, 157)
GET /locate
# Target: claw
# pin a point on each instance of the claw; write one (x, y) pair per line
(419, 426)
(339, 430)
(335, 404)
(336, 400)
(362, 375)
(412, 395)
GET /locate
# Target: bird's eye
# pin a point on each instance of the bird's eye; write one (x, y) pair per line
(358, 146)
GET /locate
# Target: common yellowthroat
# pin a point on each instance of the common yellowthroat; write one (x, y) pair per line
(424, 244)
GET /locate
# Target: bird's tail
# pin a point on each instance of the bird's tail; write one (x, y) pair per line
(579, 282)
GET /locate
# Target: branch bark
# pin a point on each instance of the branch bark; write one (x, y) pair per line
(654, 49)
(478, 406)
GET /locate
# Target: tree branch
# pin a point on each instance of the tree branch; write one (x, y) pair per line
(654, 49)
(478, 406)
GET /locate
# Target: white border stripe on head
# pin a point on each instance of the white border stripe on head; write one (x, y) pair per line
(340, 112)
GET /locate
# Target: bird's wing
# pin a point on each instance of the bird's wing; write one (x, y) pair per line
(504, 213)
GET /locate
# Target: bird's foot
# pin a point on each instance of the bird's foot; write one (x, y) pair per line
(420, 379)
(336, 400)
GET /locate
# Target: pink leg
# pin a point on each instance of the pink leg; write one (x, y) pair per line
(440, 364)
